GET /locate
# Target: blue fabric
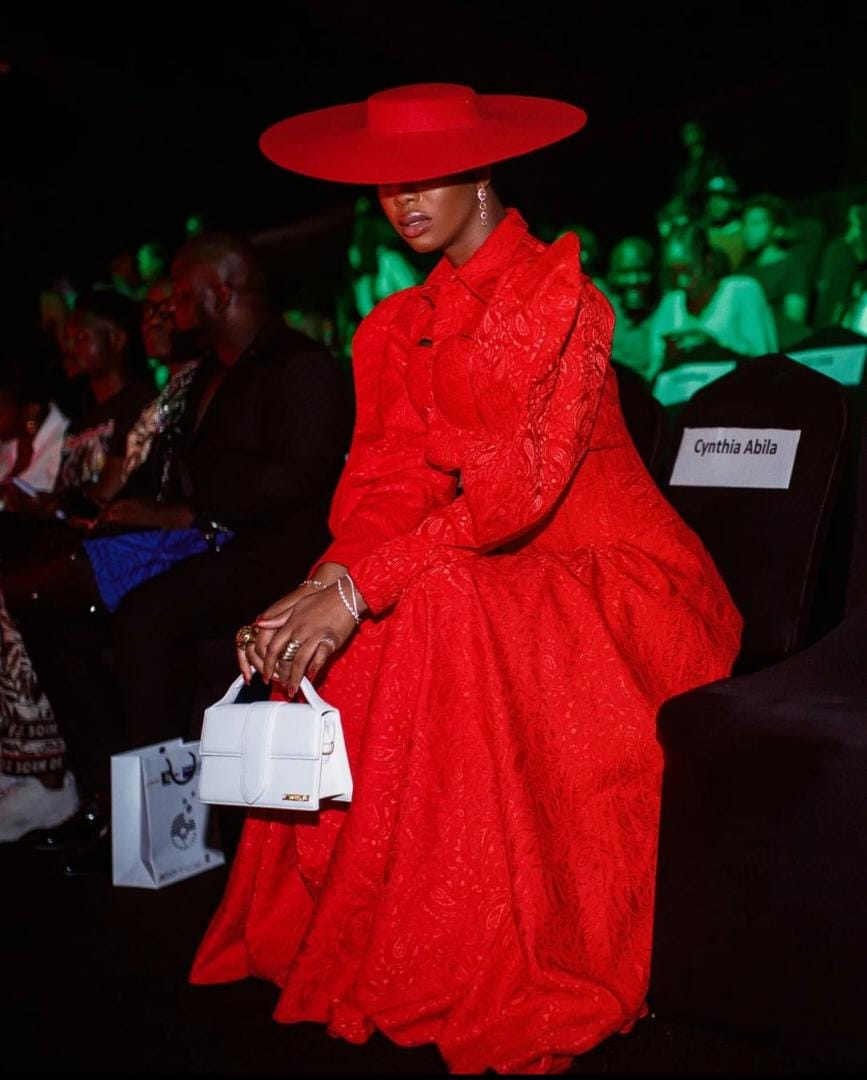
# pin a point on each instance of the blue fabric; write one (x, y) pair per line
(121, 562)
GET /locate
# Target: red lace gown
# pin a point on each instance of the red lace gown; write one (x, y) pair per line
(490, 888)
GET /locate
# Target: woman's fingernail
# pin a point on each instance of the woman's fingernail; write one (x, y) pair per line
(291, 690)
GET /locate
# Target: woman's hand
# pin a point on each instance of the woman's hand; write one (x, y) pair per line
(251, 657)
(275, 616)
(321, 622)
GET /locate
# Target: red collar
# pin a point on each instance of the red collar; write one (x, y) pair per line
(481, 272)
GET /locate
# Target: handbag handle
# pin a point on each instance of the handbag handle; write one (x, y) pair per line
(306, 686)
(312, 697)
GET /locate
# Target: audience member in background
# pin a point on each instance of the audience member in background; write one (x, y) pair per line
(671, 217)
(856, 314)
(101, 341)
(68, 384)
(104, 343)
(167, 351)
(175, 354)
(231, 503)
(36, 788)
(37, 791)
(31, 434)
(779, 269)
(702, 163)
(633, 289)
(844, 268)
(722, 219)
(156, 329)
(706, 306)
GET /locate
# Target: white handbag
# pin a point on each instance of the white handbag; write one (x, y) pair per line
(279, 755)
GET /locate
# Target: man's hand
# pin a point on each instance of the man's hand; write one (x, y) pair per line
(145, 514)
(17, 501)
(680, 341)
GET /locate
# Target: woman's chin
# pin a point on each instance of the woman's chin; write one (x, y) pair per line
(422, 244)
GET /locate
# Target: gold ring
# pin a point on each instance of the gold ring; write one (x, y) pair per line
(246, 636)
(291, 650)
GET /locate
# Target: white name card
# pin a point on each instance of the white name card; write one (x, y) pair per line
(845, 363)
(678, 384)
(735, 457)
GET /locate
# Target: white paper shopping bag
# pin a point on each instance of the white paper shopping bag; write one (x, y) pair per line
(159, 827)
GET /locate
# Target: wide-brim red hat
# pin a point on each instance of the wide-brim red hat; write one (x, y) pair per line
(417, 133)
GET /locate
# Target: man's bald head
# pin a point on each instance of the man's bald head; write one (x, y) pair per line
(217, 277)
(233, 258)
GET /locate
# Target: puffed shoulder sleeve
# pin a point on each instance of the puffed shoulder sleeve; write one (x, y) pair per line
(387, 487)
(547, 339)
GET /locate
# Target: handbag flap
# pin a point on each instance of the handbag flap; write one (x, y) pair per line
(297, 731)
(223, 728)
(255, 737)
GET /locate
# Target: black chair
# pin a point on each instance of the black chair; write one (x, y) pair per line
(644, 417)
(762, 871)
(837, 352)
(768, 542)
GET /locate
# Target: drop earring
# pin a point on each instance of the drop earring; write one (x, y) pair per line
(482, 194)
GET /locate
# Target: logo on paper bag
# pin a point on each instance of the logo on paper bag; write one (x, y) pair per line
(181, 776)
(293, 796)
(183, 828)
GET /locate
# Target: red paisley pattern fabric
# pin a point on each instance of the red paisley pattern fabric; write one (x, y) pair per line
(535, 600)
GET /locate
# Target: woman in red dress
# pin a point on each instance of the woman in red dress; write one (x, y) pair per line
(528, 601)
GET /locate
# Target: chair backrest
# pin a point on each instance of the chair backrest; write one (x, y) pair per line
(766, 540)
(644, 417)
(834, 351)
(856, 589)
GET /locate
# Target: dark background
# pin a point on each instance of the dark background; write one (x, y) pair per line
(116, 122)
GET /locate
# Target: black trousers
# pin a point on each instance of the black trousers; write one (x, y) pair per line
(174, 640)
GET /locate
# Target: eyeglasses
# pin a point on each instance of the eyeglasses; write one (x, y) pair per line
(157, 309)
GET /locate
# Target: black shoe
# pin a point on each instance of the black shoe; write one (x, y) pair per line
(94, 862)
(84, 830)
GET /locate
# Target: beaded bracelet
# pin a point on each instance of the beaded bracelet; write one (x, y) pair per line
(313, 581)
(354, 594)
(352, 608)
